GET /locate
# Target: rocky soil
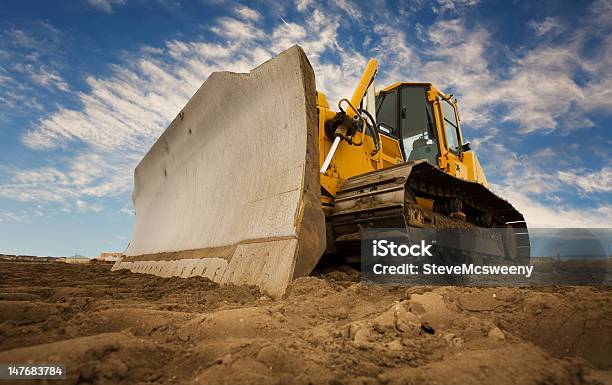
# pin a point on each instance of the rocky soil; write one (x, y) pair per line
(123, 328)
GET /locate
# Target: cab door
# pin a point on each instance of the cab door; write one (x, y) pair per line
(451, 159)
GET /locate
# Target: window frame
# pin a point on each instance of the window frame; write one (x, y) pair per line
(456, 151)
(397, 128)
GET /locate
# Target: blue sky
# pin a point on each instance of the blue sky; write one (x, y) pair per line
(86, 87)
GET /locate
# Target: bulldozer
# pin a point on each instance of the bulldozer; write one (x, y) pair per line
(257, 177)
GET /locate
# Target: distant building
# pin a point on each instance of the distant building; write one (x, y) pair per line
(108, 258)
(27, 258)
(76, 259)
(111, 256)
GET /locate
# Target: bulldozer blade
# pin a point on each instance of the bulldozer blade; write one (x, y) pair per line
(231, 191)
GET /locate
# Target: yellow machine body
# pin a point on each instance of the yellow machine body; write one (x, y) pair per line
(351, 160)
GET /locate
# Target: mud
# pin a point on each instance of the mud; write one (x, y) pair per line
(123, 328)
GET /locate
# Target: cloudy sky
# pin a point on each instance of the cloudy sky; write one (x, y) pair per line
(86, 86)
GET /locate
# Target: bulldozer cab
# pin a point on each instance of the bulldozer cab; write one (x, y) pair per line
(426, 123)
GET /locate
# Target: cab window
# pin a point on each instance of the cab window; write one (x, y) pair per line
(451, 127)
(416, 123)
(386, 112)
(406, 114)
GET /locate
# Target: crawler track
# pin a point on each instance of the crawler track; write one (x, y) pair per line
(387, 199)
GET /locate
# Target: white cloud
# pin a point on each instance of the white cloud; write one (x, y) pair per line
(539, 215)
(88, 177)
(248, 13)
(46, 77)
(86, 206)
(302, 5)
(394, 51)
(530, 188)
(32, 61)
(9, 216)
(527, 94)
(43, 76)
(601, 13)
(457, 65)
(18, 98)
(547, 85)
(40, 39)
(22, 38)
(237, 30)
(597, 181)
(541, 89)
(442, 6)
(599, 88)
(105, 5)
(128, 210)
(351, 9)
(549, 24)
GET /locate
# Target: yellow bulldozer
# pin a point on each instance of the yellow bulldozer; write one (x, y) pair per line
(257, 177)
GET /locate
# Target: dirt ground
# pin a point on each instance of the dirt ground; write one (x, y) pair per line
(123, 328)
